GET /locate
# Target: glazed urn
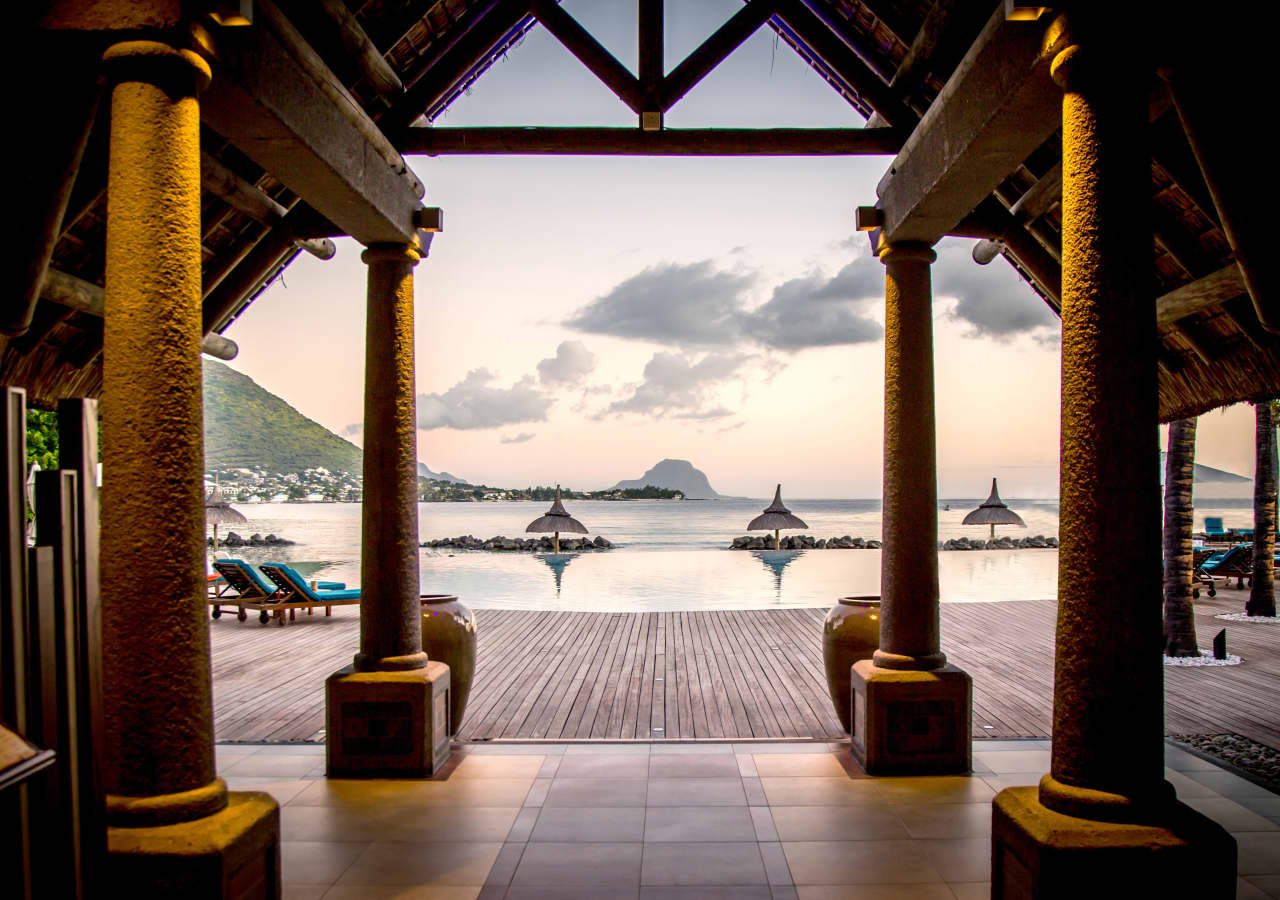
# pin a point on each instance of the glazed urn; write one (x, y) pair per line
(449, 635)
(850, 633)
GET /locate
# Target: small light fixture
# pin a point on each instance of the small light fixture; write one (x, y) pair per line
(1022, 11)
(429, 219)
(232, 13)
(868, 218)
(651, 121)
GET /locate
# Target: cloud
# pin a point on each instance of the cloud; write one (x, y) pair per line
(816, 311)
(521, 438)
(697, 306)
(677, 386)
(475, 403)
(572, 363)
(693, 305)
(993, 301)
(355, 429)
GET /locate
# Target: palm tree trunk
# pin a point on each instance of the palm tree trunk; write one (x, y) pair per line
(1262, 593)
(1179, 619)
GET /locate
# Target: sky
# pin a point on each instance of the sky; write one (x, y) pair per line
(581, 318)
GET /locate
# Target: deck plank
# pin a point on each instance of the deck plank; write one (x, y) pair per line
(706, 675)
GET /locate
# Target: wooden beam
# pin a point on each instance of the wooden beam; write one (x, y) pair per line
(349, 35)
(1219, 126)
(1041, 197)
(714, 50)
(248, 199)
(667, 142)
(282, 111)
(256, 269)
(451, 59)
(841, 59)
(86, 297)
(999, 105)
(652, 65)
(590, 52)
(1211, 290)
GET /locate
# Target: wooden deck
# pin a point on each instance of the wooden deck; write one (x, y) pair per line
(707, 675)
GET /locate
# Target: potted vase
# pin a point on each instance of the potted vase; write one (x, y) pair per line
(850, 633)
(449, 635)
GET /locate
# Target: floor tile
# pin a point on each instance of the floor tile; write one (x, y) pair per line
(987, 745)
(858, 862)
(303, 891)
(1180, 760)
(317, 862)
(1268, 884)
(604, 765)
(1014, 761)
(747, 765)
(959, 859)
(598, 792)
(694, 765)
(998, 783)
(589, 825)
(270, 765)
(628, 747)
(388, 863)
(482, 824)
(788, 747)
(696, 792)
(703, 864)
(504, 867)
(1231, 815)
(400, 892)
(333, 824)
(971, 890)
(813, 765)
(945, 820)
(775, 863)
(698, 747)
(935, 789)
(1268, 807)
(698, 823)
(837, 823)
(1247, 890)
(820, 791)
(1228, 784)
(522, 827)
(1258, 853)
(762, 819)
(537, 795)
(755, 792)
(485, 748)
(282, 789)
(936, 891)
(783, 892)
(573, 864)
(498, 767)
(561, 892)
(706, 892)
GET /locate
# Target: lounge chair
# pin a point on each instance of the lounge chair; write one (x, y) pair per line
(1213, 529)
(250, 586)
(295, 593)
(1237, 563)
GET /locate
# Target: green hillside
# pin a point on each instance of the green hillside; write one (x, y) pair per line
(247, 426)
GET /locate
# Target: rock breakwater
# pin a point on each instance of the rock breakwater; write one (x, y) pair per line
(502, 543)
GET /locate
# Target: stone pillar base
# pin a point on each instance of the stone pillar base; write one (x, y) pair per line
(1036, 852)
(908, 722)
(234, 853)
(387, 724)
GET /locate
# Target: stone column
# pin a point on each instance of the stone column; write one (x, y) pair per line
(390, 612)
(1105, 820)
(911, 710)
(171, 819)
(388, 711)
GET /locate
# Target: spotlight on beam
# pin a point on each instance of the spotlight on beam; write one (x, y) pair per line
(868, 218)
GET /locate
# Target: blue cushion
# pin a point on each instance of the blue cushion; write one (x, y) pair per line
(299, 584)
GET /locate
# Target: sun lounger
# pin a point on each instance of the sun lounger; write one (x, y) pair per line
(296, 593)
(1213, 529)
(250, 586)
(1237, 563)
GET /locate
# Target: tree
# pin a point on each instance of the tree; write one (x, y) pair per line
(1262, 591)
(1179, 618)
(42, 439)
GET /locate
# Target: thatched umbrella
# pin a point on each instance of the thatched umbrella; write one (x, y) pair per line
(557, 563)
(993, 512)
(775, 518)
(218, 511)
(555, 521)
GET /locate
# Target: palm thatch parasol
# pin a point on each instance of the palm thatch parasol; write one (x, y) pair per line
(555, 521)
(775, 518)
(993, 512)
(557, 563)
(218, 511)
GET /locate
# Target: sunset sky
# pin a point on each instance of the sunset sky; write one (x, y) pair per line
(582, 318)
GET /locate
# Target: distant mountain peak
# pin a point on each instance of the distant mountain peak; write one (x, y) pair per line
(677, 475)
(425, 472)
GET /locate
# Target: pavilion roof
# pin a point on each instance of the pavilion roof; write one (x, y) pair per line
(888, 58)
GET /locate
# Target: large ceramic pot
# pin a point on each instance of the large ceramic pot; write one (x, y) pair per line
(449, 635)
(850, 633)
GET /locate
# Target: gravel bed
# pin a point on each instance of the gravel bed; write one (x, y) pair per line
(1258, 760)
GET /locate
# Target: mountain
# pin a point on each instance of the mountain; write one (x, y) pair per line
(1208, 474)
(424, 472)
(246, 425)
(1216, 484)
(677, 475)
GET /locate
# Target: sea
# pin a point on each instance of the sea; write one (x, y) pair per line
(670, 555)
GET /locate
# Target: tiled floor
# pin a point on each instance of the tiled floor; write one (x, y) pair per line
(636, 821)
